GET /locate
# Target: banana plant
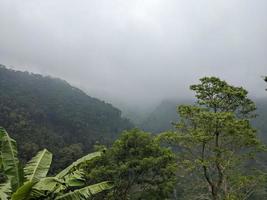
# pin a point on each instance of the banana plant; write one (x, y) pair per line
(32, 182)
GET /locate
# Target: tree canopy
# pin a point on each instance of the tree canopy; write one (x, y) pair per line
(138, 166)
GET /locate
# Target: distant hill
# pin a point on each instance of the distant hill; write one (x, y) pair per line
(260, 122)
(45, 112)
(162, 117)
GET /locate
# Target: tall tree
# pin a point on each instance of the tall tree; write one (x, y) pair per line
(215, 138)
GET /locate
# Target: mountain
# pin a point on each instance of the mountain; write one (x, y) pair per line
(161, 118)
(45, 112)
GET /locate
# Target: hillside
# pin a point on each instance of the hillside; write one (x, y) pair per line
(261, 119)
(44, 112)
(161, 118)
(165, 113)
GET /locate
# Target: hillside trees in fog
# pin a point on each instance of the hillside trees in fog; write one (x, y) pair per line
(43, 112)
(211, 153)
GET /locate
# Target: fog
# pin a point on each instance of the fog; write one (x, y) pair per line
(137, 52)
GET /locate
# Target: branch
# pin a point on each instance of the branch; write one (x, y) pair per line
(205, 167)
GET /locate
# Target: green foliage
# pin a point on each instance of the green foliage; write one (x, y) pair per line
(43, 112)
(215, 138)
(219, 96)
(23, 192)
(68, 184)
(138, 166)
(209, 154)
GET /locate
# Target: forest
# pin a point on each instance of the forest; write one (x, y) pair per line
(56, 142)
(45, 112)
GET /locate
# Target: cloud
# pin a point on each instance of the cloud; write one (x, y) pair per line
(138, 51)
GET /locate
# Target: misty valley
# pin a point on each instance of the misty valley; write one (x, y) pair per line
(133, 100)
(59, 143)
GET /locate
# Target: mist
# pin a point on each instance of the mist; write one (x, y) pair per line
(139, 52)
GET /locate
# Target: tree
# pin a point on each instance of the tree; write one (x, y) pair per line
(265, 79)
(138, 166)
(215, 139)
(32, 183)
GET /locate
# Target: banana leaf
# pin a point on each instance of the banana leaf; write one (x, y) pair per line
(86, 192)
(77, 163)
(5, 190)
(37, 168)
(23, 193)
(9, 159)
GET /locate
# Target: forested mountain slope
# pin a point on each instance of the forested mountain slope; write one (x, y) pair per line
(164, 114)
(161, 118)
(44, 112)
(260, 122)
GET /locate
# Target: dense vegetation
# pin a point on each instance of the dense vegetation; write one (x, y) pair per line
(213, 151)
(32, 183)
(138, 166)
(43, 112)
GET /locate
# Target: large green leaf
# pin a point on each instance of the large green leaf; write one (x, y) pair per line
(75, 179)
(86, 192)
(37, 168)
(77, 163)
(5, 190)
(23, 193)
(10, 161)
(47, 185)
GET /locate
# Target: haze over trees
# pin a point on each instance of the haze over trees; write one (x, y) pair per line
(212, 152)
(133, 100)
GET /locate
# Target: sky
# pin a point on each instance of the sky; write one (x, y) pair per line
(137, 52)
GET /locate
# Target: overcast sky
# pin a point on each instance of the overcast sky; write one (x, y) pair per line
(137, 51)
